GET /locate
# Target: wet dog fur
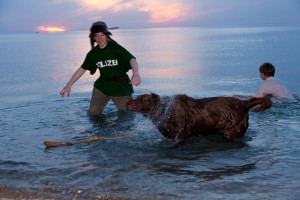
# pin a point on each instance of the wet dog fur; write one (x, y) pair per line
(181, 117)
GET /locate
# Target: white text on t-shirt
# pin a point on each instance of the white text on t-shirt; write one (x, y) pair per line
(107, 63)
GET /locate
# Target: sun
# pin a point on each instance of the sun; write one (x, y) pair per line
(51, 29)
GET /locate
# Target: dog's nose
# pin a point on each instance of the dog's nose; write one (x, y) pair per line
(128, 101)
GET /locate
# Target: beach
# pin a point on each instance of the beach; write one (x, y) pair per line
(21, 193)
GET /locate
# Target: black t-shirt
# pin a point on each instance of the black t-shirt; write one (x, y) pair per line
(113, 61)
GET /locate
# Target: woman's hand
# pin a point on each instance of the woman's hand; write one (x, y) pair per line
(66, 89)
(135, 79)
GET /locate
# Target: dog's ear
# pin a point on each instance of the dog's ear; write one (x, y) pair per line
(155, 97)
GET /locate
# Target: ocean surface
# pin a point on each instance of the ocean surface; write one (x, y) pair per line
(199, 62)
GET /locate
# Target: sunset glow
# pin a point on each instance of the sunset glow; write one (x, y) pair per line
(102, 5)
(160, 13)
(50, 29)
(65, 15)
(157, 10)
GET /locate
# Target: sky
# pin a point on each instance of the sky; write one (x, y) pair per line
(71, 15)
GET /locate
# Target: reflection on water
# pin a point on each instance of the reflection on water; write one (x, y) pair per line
(145, 163)
(212, 174)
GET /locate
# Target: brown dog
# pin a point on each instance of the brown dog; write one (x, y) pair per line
(181, 117)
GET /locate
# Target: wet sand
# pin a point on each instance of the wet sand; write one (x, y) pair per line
(16, 193)
(23, 193)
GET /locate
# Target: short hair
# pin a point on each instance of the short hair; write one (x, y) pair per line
(267, 69)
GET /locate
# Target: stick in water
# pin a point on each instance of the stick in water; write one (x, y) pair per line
(89, 139)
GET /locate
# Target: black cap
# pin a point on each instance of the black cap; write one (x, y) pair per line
(100, 26)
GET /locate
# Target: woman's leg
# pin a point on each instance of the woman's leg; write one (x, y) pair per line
(121, 102)
(98, 102)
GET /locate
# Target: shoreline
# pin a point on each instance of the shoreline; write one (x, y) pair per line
(9, 192)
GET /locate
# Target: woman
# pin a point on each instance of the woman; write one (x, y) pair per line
(113, 62)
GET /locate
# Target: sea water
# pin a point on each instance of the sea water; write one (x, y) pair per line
(199, 62)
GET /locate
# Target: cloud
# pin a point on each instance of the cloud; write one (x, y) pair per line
(79, 14)
(104, 5)
(165, 11)
(158, 11)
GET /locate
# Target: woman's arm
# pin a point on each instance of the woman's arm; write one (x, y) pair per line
(135, 79)
(67, 89)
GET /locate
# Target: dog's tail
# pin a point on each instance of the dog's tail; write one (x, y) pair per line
(258, 104)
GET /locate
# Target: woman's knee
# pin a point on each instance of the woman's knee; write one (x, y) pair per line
(94, 112)
(121, 102)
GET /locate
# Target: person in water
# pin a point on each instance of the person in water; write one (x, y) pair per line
(272, 87)
(113, 62)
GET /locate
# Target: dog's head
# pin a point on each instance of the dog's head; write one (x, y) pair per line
(143, 103)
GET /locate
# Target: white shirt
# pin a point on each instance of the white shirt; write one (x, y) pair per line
(276, 88)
